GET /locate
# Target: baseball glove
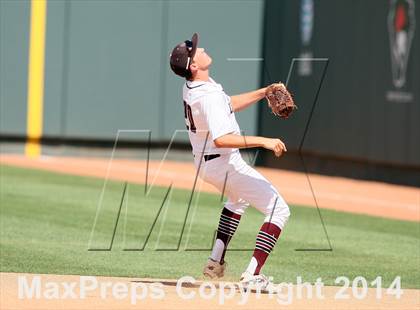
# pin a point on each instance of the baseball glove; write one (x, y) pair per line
(280, 100)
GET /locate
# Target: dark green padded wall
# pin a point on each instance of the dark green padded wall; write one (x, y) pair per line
(355, 118)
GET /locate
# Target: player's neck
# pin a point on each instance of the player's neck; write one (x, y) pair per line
(202, 76)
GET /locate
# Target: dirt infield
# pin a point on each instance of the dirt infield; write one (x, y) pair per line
(363, 197)
(165, 294)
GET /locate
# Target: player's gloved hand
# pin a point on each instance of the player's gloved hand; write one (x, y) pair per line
(275, 145)
(280, 100)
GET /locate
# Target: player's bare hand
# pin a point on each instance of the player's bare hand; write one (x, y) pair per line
(275, 145)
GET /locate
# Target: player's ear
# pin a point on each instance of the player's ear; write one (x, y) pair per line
(193, 68)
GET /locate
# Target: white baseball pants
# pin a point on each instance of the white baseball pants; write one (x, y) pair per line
(244, 186)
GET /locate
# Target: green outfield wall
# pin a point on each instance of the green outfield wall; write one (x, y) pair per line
(368, 109)
(106, 68)
(14, 34)
(107, 63)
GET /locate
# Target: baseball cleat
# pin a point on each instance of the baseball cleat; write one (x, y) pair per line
(214, 269)
(258, 282)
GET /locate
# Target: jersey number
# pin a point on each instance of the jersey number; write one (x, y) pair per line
(188, 115)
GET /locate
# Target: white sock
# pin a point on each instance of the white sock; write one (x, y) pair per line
(218, 249)
(252, 265)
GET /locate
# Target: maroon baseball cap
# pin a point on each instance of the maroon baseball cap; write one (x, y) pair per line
(182, 55)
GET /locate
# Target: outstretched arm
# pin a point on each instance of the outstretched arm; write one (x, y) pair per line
(237, 141)
(242, 101)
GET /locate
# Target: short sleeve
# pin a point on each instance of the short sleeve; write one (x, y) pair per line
(217, 111)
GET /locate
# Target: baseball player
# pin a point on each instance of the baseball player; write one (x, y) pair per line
(216, 139)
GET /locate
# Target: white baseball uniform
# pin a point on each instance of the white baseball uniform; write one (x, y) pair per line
(209, 115)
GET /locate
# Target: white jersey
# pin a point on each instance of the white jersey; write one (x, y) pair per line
(208, 116)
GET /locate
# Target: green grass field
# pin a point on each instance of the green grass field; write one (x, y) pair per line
(47, 219)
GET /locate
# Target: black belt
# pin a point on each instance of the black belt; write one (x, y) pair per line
(210, 157)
